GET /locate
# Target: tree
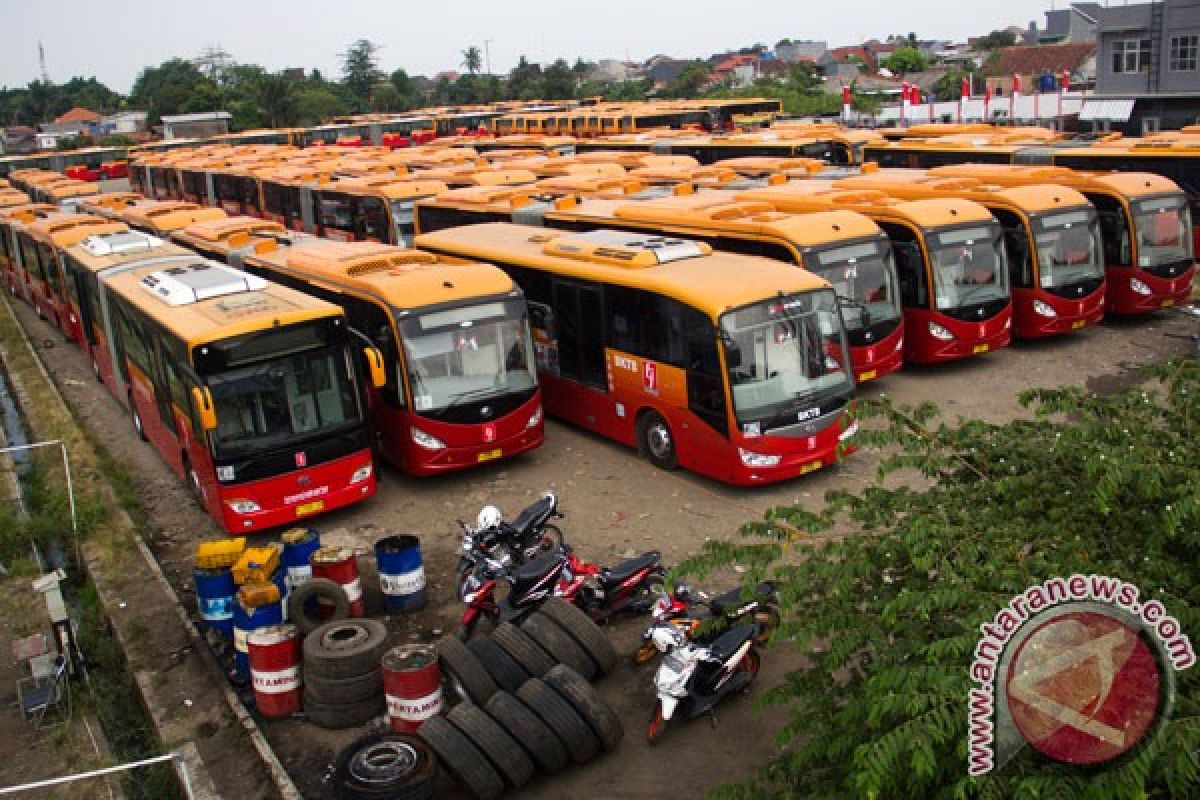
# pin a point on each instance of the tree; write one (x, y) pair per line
(886, 608)
(316, 102)
(784, 42)
(582, 68)
(558, 81)
(904, 60)
(360, 69)
(995, 40)
(689, 80)
(525, 80)
(472, 59)
(168, 88)
(803, 77)
(949, 86)
(277, 99)
(408, 95)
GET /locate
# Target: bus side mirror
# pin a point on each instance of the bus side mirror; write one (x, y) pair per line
(202, 399)
(375, 365)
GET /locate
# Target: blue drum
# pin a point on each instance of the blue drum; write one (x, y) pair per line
(214, 598)
(256, 606)
(401, 574)
(298, 546)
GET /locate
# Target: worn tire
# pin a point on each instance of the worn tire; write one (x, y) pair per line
(584, 698)
(525, 651)
(509, 759)
(583, 630)
(335, 691)
(508, 674)
(462, 759)
(656, 441)
(558, 643)
(582, 745)
(311, 589)
(529, 731)
(460, 665)
(362, 770)
(338, 716)
(345, 648)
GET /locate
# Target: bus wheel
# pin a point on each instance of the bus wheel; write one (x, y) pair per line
(193, 479)
(656, 440)
(137, 420)
(96, 370)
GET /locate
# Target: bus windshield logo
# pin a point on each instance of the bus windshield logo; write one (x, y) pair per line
(650, 376)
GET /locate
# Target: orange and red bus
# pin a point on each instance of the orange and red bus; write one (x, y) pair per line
(950, 259)
(248, 390)
(11, 219)
(648, 340)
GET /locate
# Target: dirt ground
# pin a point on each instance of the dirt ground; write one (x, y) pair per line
(615, 504)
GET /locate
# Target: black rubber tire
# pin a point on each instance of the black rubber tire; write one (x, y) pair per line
(582, 745)
(460, 665)
(509, 759)
(359, 776)
(558, 643)
(339, 716)
(663, 455)
(96, 370)
(525, 651)
(345, 648)
(583, 630)
(508, 674)
(462, 759)
(313, 588)
(139, 426)
(333, 691)
(584, 698)
(529, 731)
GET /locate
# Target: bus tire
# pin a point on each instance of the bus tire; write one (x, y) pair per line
(656, 441)
(193, 481)
(96, 370)
(138, 425)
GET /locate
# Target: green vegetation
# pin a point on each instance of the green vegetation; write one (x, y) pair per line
(888, 615)
(905, 60)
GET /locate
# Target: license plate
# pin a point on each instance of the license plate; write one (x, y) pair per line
(868, 375)
(310, 508)
(1077, 324)
(980, 348)
(813, 467)
(488, 455)
(1167, 303)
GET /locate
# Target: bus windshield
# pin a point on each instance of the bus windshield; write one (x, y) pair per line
(785, 353)
(402, 221)
(1069, 248)
(468, 355)
(1164, 230)
(863, 276)
(272, 402)
(968, 266)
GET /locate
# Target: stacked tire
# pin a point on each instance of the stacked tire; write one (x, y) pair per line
(385, 766)
(547, 724)
(343, 680)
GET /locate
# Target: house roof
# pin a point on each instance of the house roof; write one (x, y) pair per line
(842, 54)
(77, 114)
(1034, 59)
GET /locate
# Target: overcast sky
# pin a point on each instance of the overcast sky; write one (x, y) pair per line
(114, 39)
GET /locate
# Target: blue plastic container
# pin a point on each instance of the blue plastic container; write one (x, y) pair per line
(401, 573)
(215, 590)
(298, 547)
(247, 619)
(280, 580)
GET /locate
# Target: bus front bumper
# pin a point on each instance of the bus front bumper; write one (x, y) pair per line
(317, 490)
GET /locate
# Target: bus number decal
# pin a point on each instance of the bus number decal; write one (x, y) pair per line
(650, 377)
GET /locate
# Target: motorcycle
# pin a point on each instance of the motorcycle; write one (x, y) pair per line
(630, 586)
(528, 536)
(702, 617)
(693, 678)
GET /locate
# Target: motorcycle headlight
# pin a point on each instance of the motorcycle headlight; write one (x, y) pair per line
(426, 440)
(939, 332)
(361, 474)
(752, 459)
(535, 418)
(1138, 286)
(243, 506)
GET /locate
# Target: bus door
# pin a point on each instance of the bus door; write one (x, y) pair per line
(579, 386)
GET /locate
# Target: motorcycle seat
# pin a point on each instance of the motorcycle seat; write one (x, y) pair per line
(732, 599)
(536, 568)
(531, 515)
(728, 642)
(625, 569)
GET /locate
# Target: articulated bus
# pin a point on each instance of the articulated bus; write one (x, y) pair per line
(248, 390)
(844, 248)
(38, 243)
(950, 259)
(13, 218)
(461, 385)
(1145, 225)
(1051, 236)
(161, 218)
(836, 147)
(12, 197)
(66, 194)
(647, 340)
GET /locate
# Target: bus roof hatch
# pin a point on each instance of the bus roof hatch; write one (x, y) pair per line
(192, 283)
(625, 248)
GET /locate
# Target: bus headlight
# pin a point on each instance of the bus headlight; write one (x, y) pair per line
(535, 418)
(361, 474)
(428, 441)
(1044, 309)
(850, 431)
(751, 459)
(243, 506)
(1138, 286)
(938, 332)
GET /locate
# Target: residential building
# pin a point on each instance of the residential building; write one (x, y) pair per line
(610, 69)
(187, 126)
(19, 140)
(123, 123)
(1072, 25)
(795, 52)
(1034, 64)
(77, 115)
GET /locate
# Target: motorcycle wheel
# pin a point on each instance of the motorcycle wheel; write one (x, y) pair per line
(551, 538)
(768, 619)
(658, 726)
(652, 588)
(750, 664)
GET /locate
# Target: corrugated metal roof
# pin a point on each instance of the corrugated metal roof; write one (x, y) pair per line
(1111, 110)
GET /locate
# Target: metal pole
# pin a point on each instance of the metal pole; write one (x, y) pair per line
(96, 773)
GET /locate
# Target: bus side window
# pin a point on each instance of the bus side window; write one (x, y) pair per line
(1016, 244)
(335, 212)
(372, 220)
(1114, 233)
(910, 266)
(371, 321)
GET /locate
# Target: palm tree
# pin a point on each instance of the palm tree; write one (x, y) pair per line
(472, 59)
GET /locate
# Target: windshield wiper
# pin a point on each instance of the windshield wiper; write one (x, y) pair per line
(459, 398)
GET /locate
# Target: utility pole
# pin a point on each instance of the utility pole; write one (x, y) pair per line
(487, 55)
(42, 62)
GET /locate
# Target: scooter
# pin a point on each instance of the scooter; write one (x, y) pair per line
(693, 678)
(529, 535)
(702, 618)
